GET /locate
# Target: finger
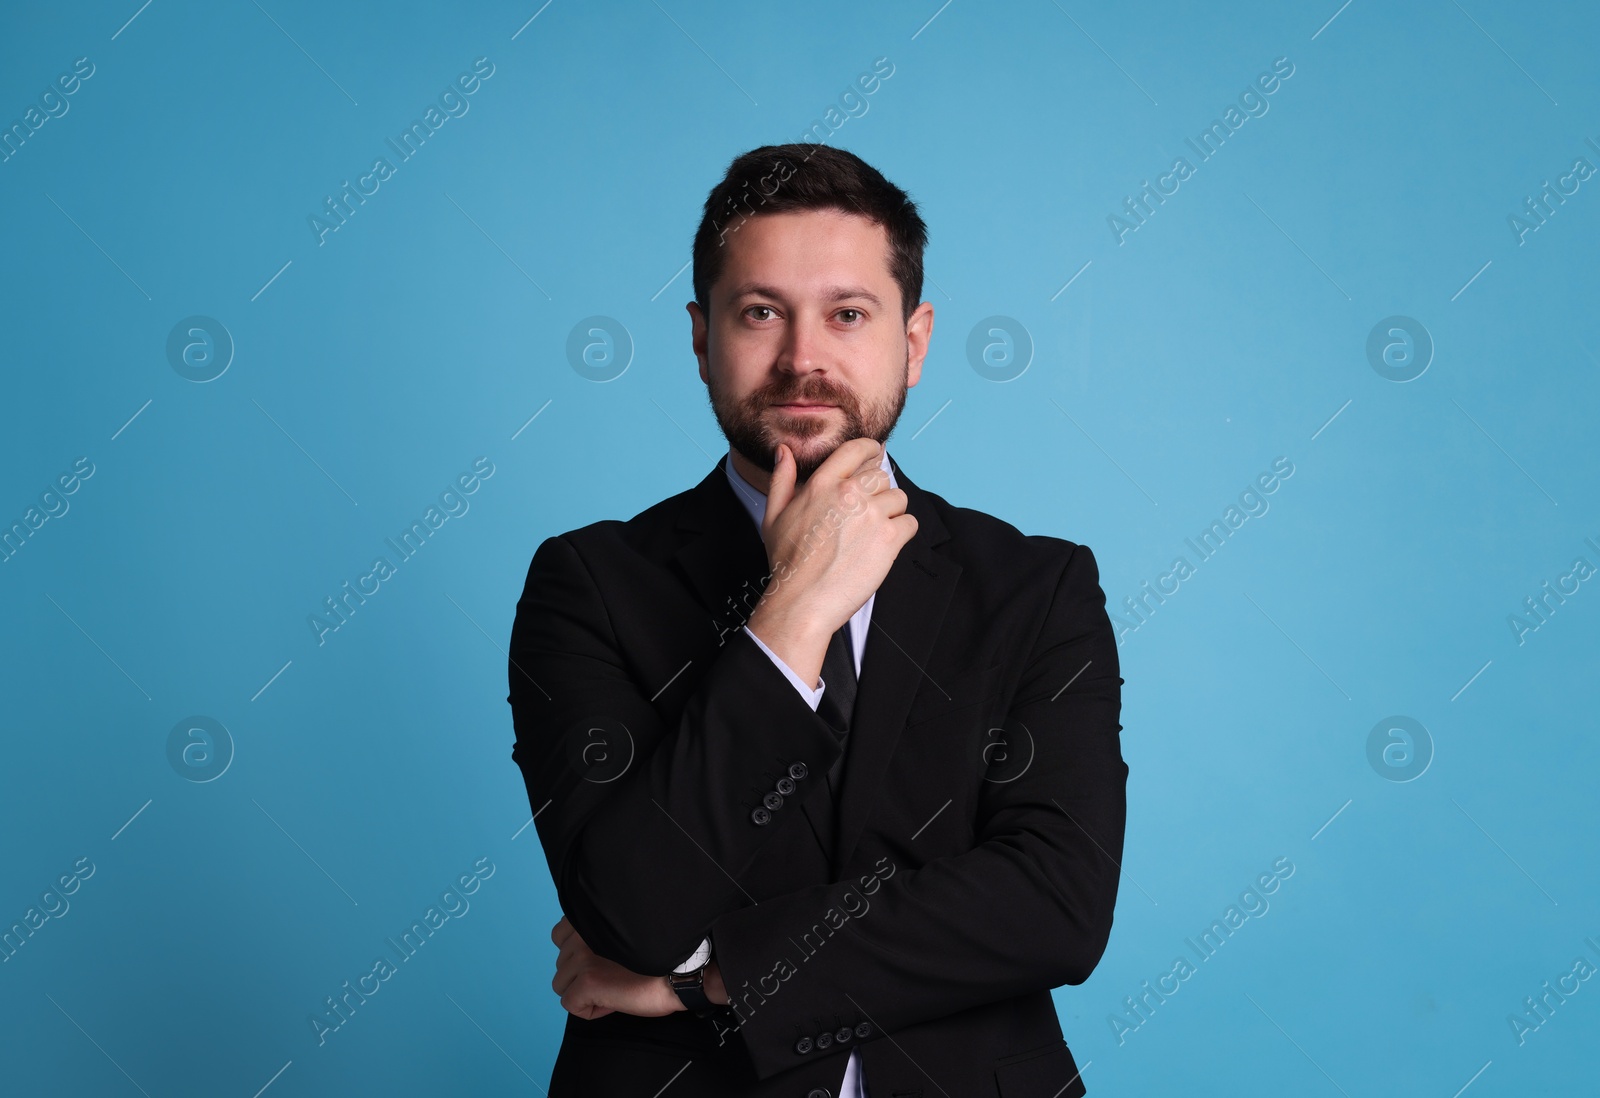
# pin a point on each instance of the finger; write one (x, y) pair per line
(870, 477)
(780, 489)
(566, 975)
(579, 998)
(870, 456)
(891, 502)
(563, 980)
(851, 457)
(586, 1010)
(907, 525)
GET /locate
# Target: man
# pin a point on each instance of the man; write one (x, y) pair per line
(826, 770)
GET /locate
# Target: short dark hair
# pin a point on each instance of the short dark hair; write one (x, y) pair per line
(779, 178)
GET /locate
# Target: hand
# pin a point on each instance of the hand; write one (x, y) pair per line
(830, 545)
(591, 986)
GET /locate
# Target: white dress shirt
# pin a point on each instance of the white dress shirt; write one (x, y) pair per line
(855, 1083)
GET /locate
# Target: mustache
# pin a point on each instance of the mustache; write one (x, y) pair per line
(824, 393)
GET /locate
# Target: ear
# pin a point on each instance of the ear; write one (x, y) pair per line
(699, 331)
(919, 333)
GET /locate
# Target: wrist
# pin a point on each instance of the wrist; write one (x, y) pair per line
(694, 989)
(669, 995)
(781, 616)
(793, 639)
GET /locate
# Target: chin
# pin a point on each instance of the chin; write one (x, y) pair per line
(823, 441)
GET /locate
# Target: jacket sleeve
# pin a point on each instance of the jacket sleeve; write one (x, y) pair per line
(645, 826)
(1028, 907)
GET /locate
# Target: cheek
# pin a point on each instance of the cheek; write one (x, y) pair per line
(743, 350)
(736, 379)
(887, 376)
(722, 354)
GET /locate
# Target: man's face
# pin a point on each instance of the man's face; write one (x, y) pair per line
(806, 342)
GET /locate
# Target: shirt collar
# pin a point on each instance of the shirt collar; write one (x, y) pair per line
(755, 501)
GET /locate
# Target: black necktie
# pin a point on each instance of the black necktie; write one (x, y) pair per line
(839, 697)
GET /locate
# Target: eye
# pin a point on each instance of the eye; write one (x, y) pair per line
(855, 314)
(762, 308)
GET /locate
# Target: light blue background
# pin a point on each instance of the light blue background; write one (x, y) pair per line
(375, 367)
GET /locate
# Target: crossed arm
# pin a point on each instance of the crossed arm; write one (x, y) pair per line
(1049, 842)
(591, 986)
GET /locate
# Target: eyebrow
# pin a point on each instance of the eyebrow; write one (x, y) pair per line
(829, 293)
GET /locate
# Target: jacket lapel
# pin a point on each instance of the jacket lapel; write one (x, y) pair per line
(725, 561)
(906, 618)
(722, 555)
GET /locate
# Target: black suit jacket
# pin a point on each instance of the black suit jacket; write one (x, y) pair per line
(970, 865)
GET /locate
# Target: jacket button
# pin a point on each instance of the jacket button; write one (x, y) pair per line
(761, 815)
(797, 771)
(842, 1035)
(819, 1092)
(785, 786)
(863, 1030)
(773, 801)
(824, 1039)
(803, 1045)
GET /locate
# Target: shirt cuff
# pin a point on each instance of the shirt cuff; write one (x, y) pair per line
(812, 697)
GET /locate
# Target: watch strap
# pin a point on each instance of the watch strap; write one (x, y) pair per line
(691, 989)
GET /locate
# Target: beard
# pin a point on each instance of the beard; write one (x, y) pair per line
(754, 426)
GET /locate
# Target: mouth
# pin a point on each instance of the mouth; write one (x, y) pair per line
(806, 407)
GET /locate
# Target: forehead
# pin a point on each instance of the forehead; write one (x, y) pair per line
(808, 249)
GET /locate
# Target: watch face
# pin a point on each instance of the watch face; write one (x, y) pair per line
(697, 959)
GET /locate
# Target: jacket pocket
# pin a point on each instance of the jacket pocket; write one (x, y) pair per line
(1045, 1072)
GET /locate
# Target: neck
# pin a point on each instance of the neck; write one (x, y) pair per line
(757, 477)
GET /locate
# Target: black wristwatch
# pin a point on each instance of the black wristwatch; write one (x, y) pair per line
(688, 979)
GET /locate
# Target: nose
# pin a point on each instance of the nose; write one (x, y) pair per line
(800, 352)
